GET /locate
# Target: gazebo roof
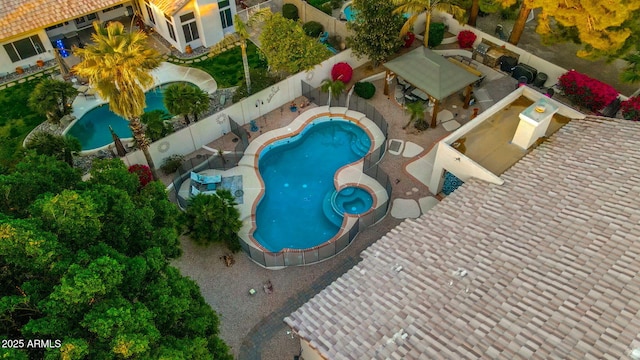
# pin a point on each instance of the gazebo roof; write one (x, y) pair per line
(431, 72)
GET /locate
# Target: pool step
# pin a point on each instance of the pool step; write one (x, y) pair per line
(359, 148)
(329, 211)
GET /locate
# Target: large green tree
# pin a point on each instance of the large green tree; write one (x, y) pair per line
(417, 7)
(375, 30)
(118, 65)
(59, 146)
(52, 98)
(89, 265)
(287, 48)
(240, 37)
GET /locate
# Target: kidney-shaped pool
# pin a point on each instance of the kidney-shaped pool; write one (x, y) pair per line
(300, 207)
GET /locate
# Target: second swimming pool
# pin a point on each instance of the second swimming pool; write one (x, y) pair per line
(298, 174)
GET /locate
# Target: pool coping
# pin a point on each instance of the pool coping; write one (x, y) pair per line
(163, 74)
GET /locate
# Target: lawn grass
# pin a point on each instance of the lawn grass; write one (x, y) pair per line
(227, 67)
(16, 121)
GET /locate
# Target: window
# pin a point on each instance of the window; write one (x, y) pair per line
(172, 31)
(92, 16)
(225, 14)
(149, 11)
(25, 48)
(225, 17)
(189, 27)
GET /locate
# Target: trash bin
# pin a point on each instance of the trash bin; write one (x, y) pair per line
(540, 80)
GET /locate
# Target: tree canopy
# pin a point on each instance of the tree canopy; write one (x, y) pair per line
(214, 218)
(605, 28)
(287, 48)
(87, 263)
(375, 30)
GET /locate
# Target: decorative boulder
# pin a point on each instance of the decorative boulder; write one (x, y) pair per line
(342, 71)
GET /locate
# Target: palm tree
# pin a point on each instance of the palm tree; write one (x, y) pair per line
(185, 99)
(416, 113)
(417, 7)
(333, 87)
(518, 26)
(473, 14)
(240, 37)
(51, 98)
(118, 65)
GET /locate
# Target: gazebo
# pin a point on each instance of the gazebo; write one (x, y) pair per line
(433, 74)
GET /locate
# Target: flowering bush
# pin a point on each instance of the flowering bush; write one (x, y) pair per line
(631, 108)
(143, 172)
(585, 91)
(466, 39)
(341, 71)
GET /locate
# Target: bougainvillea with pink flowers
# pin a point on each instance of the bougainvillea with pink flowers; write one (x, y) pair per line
(631, 108)
(143, 172)
(585, 91)
(466, 39)
(342, 71)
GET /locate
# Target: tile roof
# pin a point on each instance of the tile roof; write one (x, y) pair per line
(170, 7)
(21, 16)
(552, 261)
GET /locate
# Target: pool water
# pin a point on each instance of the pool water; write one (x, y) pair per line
(352, 200)
(92, 129)
(298, 175)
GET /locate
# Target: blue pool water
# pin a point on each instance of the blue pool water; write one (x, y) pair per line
(92, 129)
(352, 200)
(298, 172)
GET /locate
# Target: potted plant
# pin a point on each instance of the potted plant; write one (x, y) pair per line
(188, 49)
(19, 70)
(40, 63)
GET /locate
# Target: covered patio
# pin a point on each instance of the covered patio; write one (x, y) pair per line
(434, 75)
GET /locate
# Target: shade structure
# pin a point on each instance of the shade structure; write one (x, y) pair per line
(431, 73)
(118, 143)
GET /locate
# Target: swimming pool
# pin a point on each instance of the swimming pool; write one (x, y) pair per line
(92, 129)
(295, 211)
(350, 15)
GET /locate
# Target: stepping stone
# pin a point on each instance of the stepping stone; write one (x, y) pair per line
(414, 189)
(444, 115)
(405, 208)
(451, 125)
(412, 149)
(395, 146)
(426, 203)
(408, 193)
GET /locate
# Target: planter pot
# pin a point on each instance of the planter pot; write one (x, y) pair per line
(188, 49)
(19, 70)
(40, 63)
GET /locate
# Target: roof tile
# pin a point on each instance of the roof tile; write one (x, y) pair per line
(551, 259)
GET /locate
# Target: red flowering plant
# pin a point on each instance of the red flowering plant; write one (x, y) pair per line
(466, 39)
(631, 108)
(143, 172)
(585, 91)
(342, 71)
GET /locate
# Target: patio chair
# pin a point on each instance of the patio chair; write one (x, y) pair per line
(324, 37)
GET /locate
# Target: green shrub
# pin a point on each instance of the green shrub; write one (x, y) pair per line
(290, 11)
(326, 8)
(313, 28)
(336, 4)
(214, 219)
(436, 34)
(365, 90)
(171, 164)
